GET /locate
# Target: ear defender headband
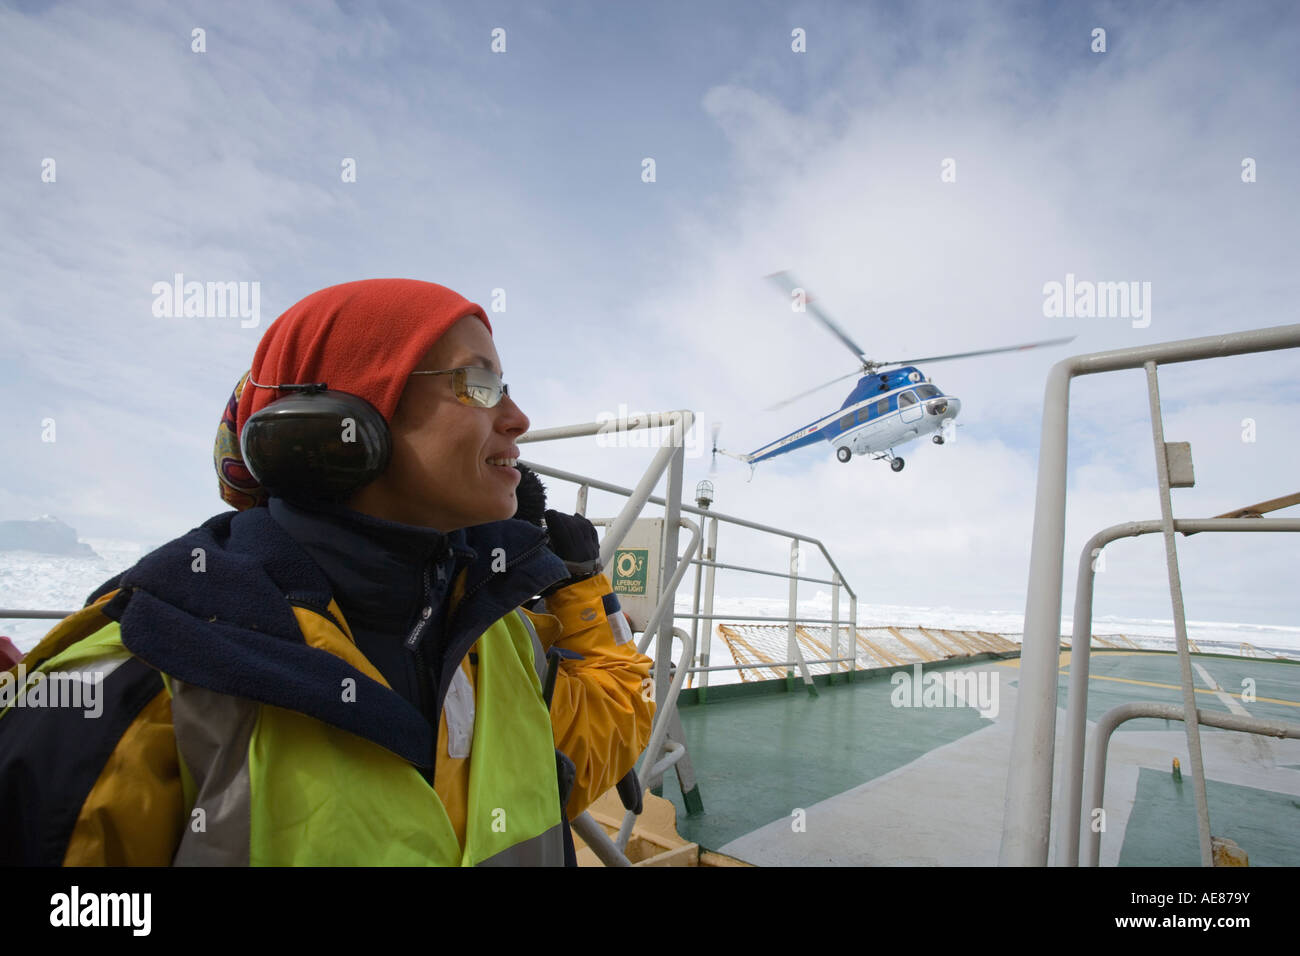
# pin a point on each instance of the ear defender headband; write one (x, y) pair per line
(314, 444)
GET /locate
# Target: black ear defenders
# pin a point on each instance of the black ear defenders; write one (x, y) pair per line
(315, 445)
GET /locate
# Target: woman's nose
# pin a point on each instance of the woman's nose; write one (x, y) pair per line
(512, 419)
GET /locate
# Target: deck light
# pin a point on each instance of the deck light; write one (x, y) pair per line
(704, 493)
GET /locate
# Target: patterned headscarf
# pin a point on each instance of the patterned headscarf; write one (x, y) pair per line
(363, 337)
(238, 487)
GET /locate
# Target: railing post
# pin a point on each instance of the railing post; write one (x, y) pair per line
(795, 651)
(793, 610)
(695, 618)
(1076, 709)
(853, 634)
(835, 624)
(1074, 827)
(1027, 813)
(1109, 721)
(581, 505)
(1190, 723)
(636, 501)
(710, 554)
(672, 517)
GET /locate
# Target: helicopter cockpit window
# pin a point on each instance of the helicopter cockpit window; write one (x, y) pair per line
(926, 391)
(905, 399)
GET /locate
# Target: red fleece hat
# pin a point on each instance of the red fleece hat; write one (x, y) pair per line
(360, 337)
(363, 337)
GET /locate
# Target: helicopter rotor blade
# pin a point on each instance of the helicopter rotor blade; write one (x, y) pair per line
(1005, 348)
(788, 401)
(788, 282)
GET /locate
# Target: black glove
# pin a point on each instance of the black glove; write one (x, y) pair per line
(565, 776)
(530, 496)
(629, 791)
(574, 540)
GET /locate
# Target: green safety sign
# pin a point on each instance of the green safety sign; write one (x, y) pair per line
(630, 570)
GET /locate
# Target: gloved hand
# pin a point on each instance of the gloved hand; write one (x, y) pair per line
(574, 539)
(629, 791)
(530, 496)
(565, 775)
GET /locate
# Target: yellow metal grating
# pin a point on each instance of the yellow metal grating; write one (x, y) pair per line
(763, 649)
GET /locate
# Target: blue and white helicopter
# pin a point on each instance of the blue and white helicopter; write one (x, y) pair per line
(887, 407)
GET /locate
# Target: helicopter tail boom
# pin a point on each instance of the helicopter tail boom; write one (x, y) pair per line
(808, 435)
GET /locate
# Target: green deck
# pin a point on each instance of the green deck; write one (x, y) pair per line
(1162, 829)
(758, 757)
(881, 784)
(1274, 680)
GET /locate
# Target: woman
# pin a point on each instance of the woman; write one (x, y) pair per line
(340, 672)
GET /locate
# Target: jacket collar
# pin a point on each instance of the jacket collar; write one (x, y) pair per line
(375, 567)
(215, 608)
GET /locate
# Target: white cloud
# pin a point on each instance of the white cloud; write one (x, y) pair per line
(1122, 167)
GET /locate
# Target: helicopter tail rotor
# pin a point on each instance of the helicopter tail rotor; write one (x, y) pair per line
(713, 467)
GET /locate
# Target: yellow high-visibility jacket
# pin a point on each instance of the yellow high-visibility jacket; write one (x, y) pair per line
(227, 736)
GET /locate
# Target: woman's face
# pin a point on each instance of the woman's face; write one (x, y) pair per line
(448, 468)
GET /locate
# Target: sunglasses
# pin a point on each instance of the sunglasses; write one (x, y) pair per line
(475, 386)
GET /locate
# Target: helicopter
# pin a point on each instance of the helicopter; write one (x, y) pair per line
(888, 406)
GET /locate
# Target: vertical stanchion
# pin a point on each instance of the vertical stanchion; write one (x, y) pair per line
(695, 622)
(1027, 810)
(793, 610)
(1190, 722)
(795, 651)
(710, 554)
(853, 634)
(672, 517)
(835, 625)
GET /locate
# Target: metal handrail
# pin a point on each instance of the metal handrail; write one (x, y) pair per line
(659, 730)
(775, 574)
(1076, 716)
(766, 664)
(755, 617)
(667, 459)
(1124, 712)
(679, 421)
(594, 835)
(585, 483)
(691, 509)
(673, 752)
(1028, 810)
(660, 753)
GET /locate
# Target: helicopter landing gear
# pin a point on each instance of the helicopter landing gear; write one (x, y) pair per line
(937, 439)
(843, 454)
(894, 463)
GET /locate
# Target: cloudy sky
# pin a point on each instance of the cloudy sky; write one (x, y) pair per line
(130, 156)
